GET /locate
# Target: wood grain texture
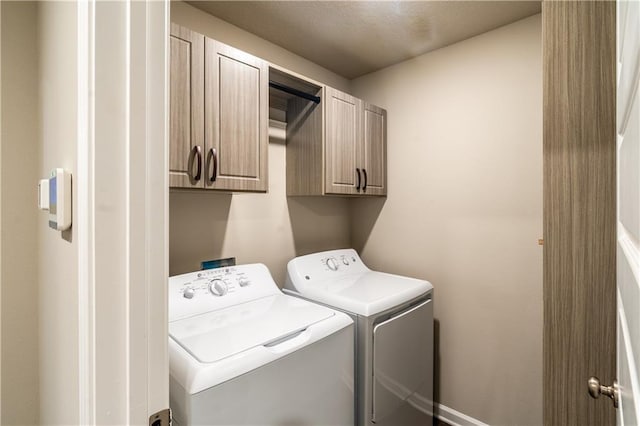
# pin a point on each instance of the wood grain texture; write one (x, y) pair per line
(374, 149)
(343, 134)
(579, 209)
(237, 118)
(239, 144)
(304, 147)
(277, 101)
(186, 110)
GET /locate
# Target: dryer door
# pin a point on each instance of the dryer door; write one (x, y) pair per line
(403, 361)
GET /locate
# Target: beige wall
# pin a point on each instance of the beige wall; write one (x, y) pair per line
(20, 170)
(465, 211)
(270, 228)
(57, 254)
(39, 285)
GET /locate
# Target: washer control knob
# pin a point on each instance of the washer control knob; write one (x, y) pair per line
(188, 293)
(218, 287)
(332, 264)
(345, 260)
(244, 282)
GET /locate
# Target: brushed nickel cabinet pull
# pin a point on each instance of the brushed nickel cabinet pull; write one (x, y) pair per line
(196, 154)
(358, 180)
(364, 187)
(213, 155)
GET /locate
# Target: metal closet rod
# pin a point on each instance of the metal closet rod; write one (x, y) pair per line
(295, 92)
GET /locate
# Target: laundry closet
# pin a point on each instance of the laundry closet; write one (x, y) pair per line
(405, 164)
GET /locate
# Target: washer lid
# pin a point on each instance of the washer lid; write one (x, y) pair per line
(366, 293)
(215, 335)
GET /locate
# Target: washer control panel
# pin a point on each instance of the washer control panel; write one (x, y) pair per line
(325, 265)
(198, 292)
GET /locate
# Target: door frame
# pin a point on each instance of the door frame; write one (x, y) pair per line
(122, 211)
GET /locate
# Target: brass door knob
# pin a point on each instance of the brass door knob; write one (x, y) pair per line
(596, 389)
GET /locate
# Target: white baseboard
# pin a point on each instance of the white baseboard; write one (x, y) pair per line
(453, 417)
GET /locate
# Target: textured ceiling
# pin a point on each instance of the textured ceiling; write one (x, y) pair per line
(353, 38)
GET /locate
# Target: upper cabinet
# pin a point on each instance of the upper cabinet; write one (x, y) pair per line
(236, 119)
(186, 108)
(220, 100)
(343, 137)
(341, 153)
(219, 115)
(373, 151)
(355, 146)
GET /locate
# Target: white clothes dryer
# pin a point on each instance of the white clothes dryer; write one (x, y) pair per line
(394, 332)
(243, 353)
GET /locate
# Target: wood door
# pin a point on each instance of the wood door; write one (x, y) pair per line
(236, 128)
(628, 124)
(579, 209)
(186, 108)
(343, 133)
(374, 150)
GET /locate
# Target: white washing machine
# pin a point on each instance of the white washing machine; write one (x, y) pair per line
(243, 353)
(394, 332)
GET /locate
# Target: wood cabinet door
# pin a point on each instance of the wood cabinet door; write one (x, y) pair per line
(186, 108)
(373, 153)
(343, 132)
(236, 123)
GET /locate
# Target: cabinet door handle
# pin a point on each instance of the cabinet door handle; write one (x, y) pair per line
(364, 187)
(213, 155)
(358, 180)
(196, 154)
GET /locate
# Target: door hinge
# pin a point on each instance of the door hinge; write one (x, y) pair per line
(161, 418)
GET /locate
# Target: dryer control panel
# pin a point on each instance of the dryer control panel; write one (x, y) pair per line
(198, 292)
(325, 265)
